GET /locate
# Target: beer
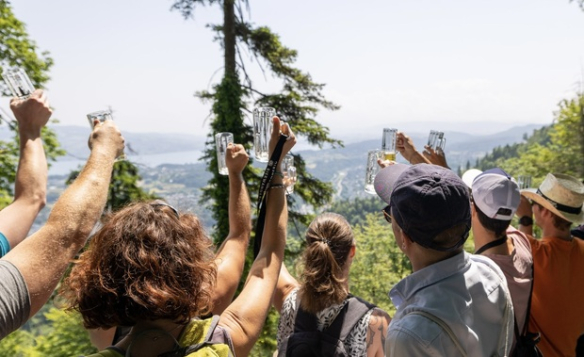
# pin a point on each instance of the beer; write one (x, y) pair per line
(389, 155)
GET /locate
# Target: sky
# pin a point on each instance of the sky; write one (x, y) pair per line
(475, 65)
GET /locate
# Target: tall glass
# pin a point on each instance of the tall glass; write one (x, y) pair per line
(18, 82)
(440, 141)
(388, 142)
(262, 130)
(432, 138)
(523, 181)
(289, 172)
(371, 170)
(222, 140)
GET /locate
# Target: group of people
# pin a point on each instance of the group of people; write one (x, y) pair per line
(151, 283)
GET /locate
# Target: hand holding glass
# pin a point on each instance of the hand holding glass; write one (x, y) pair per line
(222, 141)
(371, 170)
(102, 115)
(289, 172)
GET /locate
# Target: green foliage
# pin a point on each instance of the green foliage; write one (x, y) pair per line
(379, 263)
(16, 49)
(356, 211)
(17, 344)
(124, 186)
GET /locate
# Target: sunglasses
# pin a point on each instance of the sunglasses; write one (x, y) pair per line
(164, 204)
(386, 214)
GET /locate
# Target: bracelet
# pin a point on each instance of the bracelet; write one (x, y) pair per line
(279, 174)
(277, 186)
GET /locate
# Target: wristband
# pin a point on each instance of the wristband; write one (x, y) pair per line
(526, 221)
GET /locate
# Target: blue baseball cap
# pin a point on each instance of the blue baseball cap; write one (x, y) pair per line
(426, 200)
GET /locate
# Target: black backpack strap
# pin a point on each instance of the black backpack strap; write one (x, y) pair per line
(348, 317)
(305, 321)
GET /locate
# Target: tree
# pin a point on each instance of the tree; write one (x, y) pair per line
(299, 102)
(16, 49)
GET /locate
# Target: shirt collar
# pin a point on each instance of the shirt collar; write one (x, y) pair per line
(429, 275)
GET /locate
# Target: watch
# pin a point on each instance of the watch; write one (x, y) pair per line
(526, 221)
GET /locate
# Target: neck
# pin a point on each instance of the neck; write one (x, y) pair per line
(551, 231)
(483, 237)
(151, 338)
(423, 257)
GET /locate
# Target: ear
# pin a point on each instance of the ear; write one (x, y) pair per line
(473, 210)
(406, 241)
(352, 251)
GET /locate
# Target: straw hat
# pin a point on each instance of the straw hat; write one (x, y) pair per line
(562, 194)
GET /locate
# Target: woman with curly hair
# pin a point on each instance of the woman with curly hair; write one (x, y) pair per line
(153, 269)
(324, 290)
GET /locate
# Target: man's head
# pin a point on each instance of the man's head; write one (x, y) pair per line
(429, 203)
(495, 196)
(561, 195)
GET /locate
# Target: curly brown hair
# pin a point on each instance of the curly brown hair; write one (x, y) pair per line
(329, 239)
(145, 263)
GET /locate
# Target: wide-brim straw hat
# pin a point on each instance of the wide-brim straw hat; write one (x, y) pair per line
(562, 194)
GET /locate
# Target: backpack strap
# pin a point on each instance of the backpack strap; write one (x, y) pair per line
(443, 325)
(208, 338)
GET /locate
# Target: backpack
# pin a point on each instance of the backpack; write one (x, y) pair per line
(308, 341)
(196, 341)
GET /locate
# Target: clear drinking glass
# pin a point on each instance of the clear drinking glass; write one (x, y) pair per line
(103, 115)
(372, 170)
(388, 142)
(262, 130)
(440, 141)
(432, 138)
(523, 181)
(18, 82)
(290, 173)
(222, 140)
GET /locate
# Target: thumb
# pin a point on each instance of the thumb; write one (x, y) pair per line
(276, 128)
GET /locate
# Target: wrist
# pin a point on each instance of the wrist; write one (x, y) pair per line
(526, 221)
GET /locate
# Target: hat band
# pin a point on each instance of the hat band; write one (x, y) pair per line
(559, 206)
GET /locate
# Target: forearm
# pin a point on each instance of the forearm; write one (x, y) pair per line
(239, 209)
(43, 258)
(417, 158)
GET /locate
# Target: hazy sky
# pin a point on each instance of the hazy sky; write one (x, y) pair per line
(386, 62)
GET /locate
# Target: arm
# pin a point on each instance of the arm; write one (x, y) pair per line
(286, 283)
(231, 255)
(31, 176)
(244, 318)
(376, 333)
(406, 148)
(44, 256)
(436, 157)
(525, 209)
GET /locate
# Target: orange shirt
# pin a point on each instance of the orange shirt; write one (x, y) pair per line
(557, 304)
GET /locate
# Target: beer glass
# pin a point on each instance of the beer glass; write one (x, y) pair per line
(372, 170)
(18, 82)
(523, 181)
(289, 172)
(262, 130)
(432, 138)
(388, 142)
(222, 140)
(440, 141)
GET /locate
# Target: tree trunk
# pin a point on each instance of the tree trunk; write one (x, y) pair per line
(229, 36)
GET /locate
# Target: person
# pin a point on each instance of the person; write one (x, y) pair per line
(229, 258)
(405, 146)
(152, 268)
(30, 186)
(495, 198)
(30, 271)
(558, 259)
(324, 290)
(453, 303)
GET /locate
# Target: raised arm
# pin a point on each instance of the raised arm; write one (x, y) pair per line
(231, 255)
(31, 176)
(44, 256)
(406, 148)
(525, 210)
(245, 317)
(436, 157)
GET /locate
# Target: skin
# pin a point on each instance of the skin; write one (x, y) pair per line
(483, 236)
(378, 322)
(406, 148)
(230, 256)
(243, 319)
(31, 176)
(43, 257)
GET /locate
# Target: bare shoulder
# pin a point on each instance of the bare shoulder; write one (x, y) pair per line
(377, 331)
(379, 318)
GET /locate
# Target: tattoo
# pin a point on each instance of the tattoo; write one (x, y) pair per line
(371, 335)
(381, 335)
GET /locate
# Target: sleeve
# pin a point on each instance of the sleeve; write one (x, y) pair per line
(4, 245)
(14, 299)
(402, 341)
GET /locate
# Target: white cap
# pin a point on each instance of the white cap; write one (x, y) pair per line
(496, 194)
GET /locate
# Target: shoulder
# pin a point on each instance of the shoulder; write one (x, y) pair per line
(414, 335)
(379, 319)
